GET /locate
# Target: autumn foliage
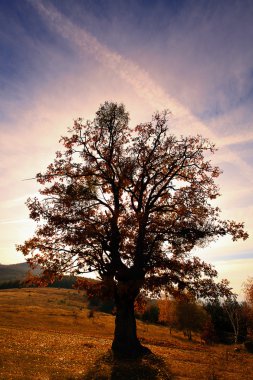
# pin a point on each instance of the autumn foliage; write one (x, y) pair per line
(129, 204)
(248, 289)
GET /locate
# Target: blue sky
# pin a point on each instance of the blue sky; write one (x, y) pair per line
(61, 59)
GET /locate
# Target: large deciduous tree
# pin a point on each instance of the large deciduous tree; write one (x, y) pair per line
(130, 205)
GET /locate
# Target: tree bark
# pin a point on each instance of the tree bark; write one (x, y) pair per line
(126, 343)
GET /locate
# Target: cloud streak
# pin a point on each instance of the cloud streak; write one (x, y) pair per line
(138, 78)
(236, 139)
(183, 120)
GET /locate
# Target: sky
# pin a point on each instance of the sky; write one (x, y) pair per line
(61, 59)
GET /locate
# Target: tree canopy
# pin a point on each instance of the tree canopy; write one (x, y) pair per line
(129, 204)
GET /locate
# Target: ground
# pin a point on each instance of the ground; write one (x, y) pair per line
(46, 334)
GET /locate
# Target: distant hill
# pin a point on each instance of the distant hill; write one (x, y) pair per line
(12, 276)
(13, 272)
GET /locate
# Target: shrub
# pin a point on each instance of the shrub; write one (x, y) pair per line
(249, 345)
(151, 314)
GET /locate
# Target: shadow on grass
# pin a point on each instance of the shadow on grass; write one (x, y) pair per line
(149, 367)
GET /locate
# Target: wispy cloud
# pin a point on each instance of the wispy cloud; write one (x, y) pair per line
(236, 139)
(183, 119)
(130, 72)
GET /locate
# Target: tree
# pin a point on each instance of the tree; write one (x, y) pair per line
(220, 320)
(167, 312)
(229, 319)
(190, 316)
(208, 333)
(234, 312)
(184, 313)
(151, 312)
(248, 290)
(130, 205)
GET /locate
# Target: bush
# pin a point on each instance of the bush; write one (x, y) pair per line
(67, 282)
(151, 314)
(208, 334)
(249, 345)
(103, 305)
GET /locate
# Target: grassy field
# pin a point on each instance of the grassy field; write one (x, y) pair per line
(46, 334)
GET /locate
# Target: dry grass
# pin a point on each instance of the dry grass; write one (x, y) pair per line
(46, 334)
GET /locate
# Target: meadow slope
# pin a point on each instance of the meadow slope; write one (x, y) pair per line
(46, 334)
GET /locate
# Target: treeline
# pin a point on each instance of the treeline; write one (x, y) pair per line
(11, 284)
(215, 322)
(223, 321)
(67, 282)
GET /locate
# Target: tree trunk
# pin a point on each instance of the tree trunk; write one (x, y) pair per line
(126, 343)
